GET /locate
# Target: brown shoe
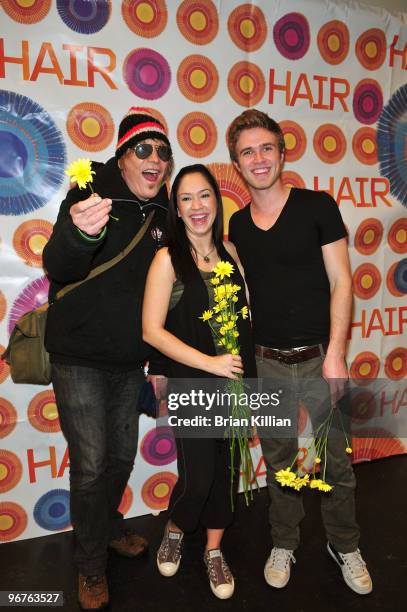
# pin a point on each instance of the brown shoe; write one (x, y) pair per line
(220, 576)
(129, 545)
(93, 593)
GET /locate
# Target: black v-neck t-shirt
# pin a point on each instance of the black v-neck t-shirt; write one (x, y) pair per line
(284, 268)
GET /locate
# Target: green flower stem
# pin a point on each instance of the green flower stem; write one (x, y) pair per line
(111, 216)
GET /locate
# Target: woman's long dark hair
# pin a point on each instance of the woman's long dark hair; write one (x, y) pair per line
(179, 245)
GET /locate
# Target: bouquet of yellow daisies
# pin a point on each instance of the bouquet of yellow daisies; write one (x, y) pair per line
(222, 319)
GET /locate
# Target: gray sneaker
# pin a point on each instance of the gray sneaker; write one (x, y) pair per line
(354, 570)
(220, 576)
(169, 553)
(278, 567)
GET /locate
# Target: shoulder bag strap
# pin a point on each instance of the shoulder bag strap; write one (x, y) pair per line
(112, 262)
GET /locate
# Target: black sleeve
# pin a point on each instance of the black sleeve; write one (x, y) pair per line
(68, 255)
(329, 220)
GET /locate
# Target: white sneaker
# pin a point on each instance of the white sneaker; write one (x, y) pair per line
(278, 567)
(354, 570)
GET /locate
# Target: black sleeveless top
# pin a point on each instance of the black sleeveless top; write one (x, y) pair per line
(183, 321)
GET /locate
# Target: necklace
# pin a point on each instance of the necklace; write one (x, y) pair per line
(206, 257)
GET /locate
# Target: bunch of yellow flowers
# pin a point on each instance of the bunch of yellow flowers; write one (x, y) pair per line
(289, 478)
(222, 319)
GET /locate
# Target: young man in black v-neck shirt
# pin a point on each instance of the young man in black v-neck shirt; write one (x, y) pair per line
(292, 244)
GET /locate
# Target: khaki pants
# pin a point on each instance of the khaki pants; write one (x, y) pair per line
(303, 381)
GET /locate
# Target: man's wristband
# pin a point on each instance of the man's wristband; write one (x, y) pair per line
(93, 238)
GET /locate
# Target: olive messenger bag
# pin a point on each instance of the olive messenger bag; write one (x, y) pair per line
(26, 354)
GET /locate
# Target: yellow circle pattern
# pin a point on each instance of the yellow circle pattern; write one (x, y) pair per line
(144, 12)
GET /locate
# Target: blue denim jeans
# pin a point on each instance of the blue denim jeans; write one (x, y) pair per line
(97, 411)
(303, 381)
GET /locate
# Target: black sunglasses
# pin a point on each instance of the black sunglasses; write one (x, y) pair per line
(144, 150)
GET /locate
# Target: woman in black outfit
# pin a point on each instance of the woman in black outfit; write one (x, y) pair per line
(178, 290)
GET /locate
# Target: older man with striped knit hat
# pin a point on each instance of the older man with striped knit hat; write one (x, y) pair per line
(94, 336)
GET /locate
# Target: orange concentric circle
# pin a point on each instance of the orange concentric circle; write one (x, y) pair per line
(197, 134)
(3, 305)
(197, 78)
(234, 191)
(26, 11)
(126, 501)
(366, 281)
(4, 367)
(147, 18)
(397, 236)
(333, 41)
(30, 239)
(157, 489)
(292, 179)
(329, 143)
(363, 406)
(198, 21)
(247, 27)
(10, 470)
(8, 417)
(365, 368)
(246, 83)
(395, 365)
(368, 236)
(13, 521)
(364, 146)
(90, 126)
(43, 413)
(370, 48)
(295, 140)
(302, 455)
(390, 281)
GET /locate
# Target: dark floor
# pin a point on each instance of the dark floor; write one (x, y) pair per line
(316, 584)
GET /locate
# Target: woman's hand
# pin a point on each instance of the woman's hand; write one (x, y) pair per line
(227, 366)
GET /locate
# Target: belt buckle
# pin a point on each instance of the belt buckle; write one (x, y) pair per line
(285, 358)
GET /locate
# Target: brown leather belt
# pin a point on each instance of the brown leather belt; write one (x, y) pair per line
(292, 356)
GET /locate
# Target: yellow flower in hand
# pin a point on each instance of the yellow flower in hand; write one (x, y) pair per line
(348, 450)
(317, 459)
(222, 269)
(215, 281)
(324, 486)
(299, 482)
(206, 315)
(80, 172)
(245, 312)
(285, 477)
(315, 482)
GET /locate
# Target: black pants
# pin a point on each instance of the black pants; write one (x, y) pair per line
(202, 492)
(97, 411)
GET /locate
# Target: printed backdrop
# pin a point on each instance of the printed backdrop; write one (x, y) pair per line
(334, 75)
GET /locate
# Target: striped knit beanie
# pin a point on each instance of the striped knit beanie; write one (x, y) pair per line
(138, 124)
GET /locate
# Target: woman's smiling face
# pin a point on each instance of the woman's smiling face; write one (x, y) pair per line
(196, 202)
